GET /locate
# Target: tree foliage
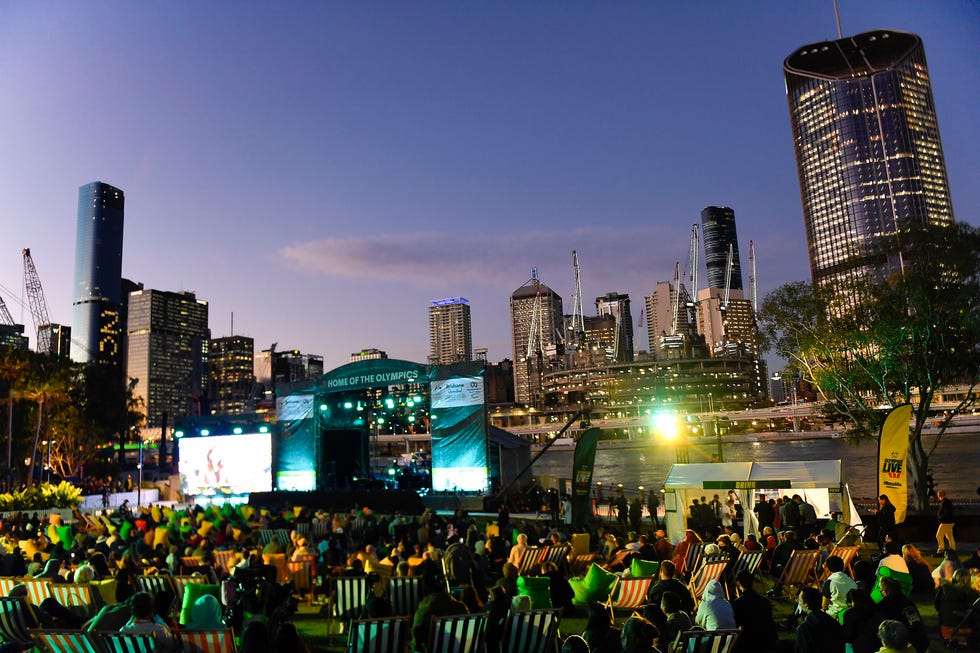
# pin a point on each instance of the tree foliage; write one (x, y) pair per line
(899, 337)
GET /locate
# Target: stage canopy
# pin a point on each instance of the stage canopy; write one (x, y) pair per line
(820, 483)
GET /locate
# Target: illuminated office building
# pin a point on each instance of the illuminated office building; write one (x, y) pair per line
(536, 321)
(450, 331)
(867, 145)
(97, 326)
(619, 347)
(720, 237)
(167, 353)
(230, 382)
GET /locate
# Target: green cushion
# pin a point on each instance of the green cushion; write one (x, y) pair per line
(595, 586)
(641, 568)
(191, 593)
(536, 588)
(125, 529)
(903, 579)
(66, 537)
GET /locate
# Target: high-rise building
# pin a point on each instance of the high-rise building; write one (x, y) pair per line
(661, 307)
(230, 374)
(57, 340)
(536, 323)
(720, 238)
(167, 353)
(867, 144)
(617, 306)
(12, 336)
(450, 331)
(96, 325)
(728, 330)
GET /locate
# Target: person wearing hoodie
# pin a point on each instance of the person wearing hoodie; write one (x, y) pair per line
(714, 611)
(205, 614)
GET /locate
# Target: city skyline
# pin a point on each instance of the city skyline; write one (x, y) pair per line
(319, 163)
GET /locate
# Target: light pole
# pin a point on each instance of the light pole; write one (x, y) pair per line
(48, 466)
(139, 467)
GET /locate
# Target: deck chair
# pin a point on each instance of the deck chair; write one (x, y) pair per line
(378, 635)
(557, 554)
(66, 641)
(749, 561)
(629, 593)
(350, 593)
(6, 584)
(530, 561)
(709, 571)
(37, 590)
(460, 634)
(17, 619)
(707, 641)
(153, 585)
(81, 600)
(189, 563)
(225, 560)
(277, 560)
(904, 582)
(581, 563)
(847, 554)
(404, 595)
(207, 641)
(799, 571)
(533, 631)
(128, 642)
(691, 559)
(280, 535)
(180, 582)
(302, 575)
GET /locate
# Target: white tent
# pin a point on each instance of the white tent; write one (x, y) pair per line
(820, 483)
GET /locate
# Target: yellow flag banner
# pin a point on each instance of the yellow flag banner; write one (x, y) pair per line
(893, 452)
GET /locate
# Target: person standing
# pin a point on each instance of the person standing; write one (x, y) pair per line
(886, 519)
(947, 520)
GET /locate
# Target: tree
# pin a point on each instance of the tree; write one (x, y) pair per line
(897, 338)
(48, 386)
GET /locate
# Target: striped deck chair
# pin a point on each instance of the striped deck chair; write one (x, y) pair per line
(66, 641)
(6, 584)
(533, 631)
(81, 600)
(189, 563)
(207, 641)
(280, 535)
(708, 571)
(707, 641)
(180, 582)
(225, 560)
(581, 563)
(37, 590)
(557, 554)
(460, 634)
(319, 530)
(403, 593)
(800, 570)
(153, 585)
(277, 560)
(847, 554)
(17, 618)
(749, 561)
(128, 642)
(691, 559)
(530, 561)
(378, 635)
(349, 595)
(302, 576)
(629, 593)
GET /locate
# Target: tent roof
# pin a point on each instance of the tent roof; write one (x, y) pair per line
(506, 439)
(786, 474)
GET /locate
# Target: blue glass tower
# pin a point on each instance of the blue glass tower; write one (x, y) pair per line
(97, 305)
(720, 236)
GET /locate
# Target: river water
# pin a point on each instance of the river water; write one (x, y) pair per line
(955, 463)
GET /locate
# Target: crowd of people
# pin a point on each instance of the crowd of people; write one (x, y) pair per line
(468, 566)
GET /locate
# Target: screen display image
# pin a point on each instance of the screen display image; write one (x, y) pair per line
(226, 464)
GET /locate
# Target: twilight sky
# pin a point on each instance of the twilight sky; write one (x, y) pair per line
(324, 170)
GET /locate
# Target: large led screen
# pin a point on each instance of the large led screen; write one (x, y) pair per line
(226, 464)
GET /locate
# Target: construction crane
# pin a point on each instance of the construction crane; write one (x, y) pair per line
(729, 264)
(578, 315)
(693, 275)
(39, 307)
(5, 316)
(677, 298)
(752, 286)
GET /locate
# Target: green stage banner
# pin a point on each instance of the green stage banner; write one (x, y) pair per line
(459, 428)
(295, 460)
(582, 465)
